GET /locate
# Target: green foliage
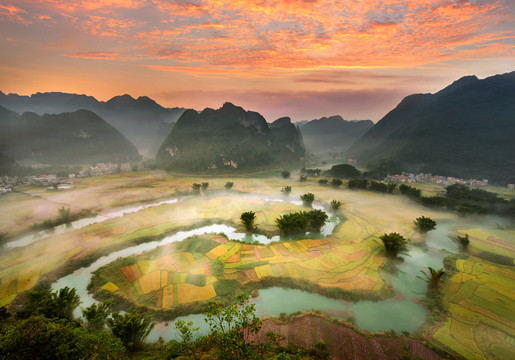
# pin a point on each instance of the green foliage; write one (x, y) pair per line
(285, 174)
(335, 204)
(345, 171)
(307, 199)
(322, 182)
(96, 315)
(433, 278)
(410, 191)
(204, 186)
(378, 186)
(231, 327)
(131, 328)
(38, 337)
(64, 214)
(336, 183)
(196, 187)
(464, 240)
(358, 184)
(301, 221)
(247, 219)
(425, 224)
(59, 304)
(286, 190)
(186, 332)
(228, 185)
(393, 243)
(303, 178)
(390, 187)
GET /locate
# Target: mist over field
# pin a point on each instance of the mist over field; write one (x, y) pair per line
(257, 180)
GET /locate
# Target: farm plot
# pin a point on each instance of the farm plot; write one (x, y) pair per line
(480, 302)
(184, 273)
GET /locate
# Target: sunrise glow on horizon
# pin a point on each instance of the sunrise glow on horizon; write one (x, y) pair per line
(299, 58)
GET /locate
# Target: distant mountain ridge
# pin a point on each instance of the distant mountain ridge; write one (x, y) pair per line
(229, 138)
(465, 130)
(79, 137)
(138, 119)
(333, 133)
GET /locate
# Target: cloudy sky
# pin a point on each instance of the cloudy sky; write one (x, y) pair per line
(299, 58)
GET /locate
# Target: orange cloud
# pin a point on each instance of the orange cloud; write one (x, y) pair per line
(95, 55)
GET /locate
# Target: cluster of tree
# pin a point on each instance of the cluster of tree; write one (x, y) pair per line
(345, 171)
(40, 323)
(394, 243)
(233, 329)
(425, 224)
(307, 199)
(301, 221)
(310, 172)
(196, 187)
(466, 200)
(286, 190)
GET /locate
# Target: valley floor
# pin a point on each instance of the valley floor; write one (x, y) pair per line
(476, 317)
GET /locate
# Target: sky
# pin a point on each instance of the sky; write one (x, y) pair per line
(299, 58)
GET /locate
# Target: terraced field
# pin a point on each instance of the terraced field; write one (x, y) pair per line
(479, 299)
(209, 266)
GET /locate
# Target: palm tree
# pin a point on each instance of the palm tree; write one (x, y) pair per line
(393, 243)
(433, 278)
(247, 219)
(335, 204)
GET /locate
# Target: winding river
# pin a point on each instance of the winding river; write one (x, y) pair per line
(400, 313)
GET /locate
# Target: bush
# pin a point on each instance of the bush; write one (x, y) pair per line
(378, 186)
(322, 182)
(307, 199)
(425, 224)
(336, 182)
(303, 178)
(335, 204)
(301, 221)
(358, 184)
(286, 190)
(228, 185)
(345, 171)
(285, 174)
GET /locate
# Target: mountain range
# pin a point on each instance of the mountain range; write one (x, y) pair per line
(141, 120)
(79, 137)
(332, 134)
(230, 138)
(465, 130)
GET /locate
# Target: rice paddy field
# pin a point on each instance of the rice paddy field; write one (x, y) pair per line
(477, 315)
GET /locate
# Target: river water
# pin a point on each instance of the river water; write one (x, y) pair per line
(400, 313)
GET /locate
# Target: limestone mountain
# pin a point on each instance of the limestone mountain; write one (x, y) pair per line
(80, 137)
(332, 134)
(229, 138)
(465, 130)
(138, 119)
